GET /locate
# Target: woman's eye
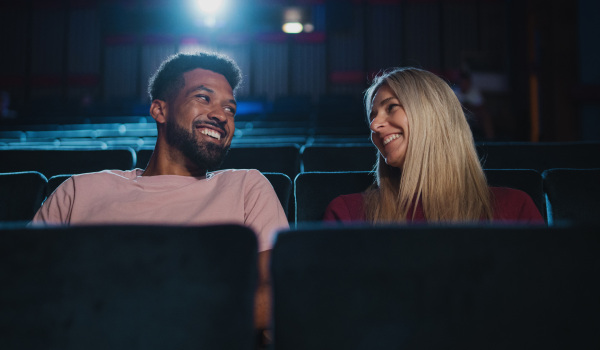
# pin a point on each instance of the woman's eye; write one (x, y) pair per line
(392, 106)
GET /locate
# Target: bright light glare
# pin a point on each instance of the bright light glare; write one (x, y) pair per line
(209, 7)
(292, 27)
(210, 21)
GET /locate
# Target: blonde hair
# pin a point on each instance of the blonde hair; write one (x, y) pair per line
(441, 168)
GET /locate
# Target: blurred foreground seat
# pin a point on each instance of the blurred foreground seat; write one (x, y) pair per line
(420, 287)
(127, 287)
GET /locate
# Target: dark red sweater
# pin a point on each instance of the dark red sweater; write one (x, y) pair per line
(510, 205)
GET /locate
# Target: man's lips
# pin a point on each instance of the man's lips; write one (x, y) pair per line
(214, 131)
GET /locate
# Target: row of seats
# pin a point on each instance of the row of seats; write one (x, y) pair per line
(292, 159)
(561, 195)
(393, 287)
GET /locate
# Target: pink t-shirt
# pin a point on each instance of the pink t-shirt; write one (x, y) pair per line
(242, 197)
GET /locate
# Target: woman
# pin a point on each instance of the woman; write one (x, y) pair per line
(427, 167)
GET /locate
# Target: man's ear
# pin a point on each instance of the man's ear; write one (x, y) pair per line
(158, 111)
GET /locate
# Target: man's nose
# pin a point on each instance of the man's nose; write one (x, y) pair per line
(217, 114)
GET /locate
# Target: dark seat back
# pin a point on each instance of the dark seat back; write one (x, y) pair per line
(573, 195)
(128, 287)
(539, 156)
(52, 162)
(282, 184)
(359, 157)
(21, 195)
(313, 191)
(409, 287)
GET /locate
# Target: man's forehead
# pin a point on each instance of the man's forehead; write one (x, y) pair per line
(200, 74)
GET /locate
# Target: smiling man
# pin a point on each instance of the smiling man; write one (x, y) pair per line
(194, 107)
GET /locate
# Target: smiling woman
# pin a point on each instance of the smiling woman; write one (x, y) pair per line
(427, 169)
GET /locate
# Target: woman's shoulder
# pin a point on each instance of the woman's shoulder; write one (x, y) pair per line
(346, 207)
(514, 205)
(350, 198)
(508, 193)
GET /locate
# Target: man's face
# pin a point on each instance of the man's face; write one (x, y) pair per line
(200, 119)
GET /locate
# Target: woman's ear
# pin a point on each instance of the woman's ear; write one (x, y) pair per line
(158, 111)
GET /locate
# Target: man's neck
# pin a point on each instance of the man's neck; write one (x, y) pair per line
(165, 161)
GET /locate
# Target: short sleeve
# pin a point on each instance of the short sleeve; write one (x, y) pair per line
(58, 206)
(263, 211)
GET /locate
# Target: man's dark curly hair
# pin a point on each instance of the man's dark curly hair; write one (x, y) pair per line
(168, 80)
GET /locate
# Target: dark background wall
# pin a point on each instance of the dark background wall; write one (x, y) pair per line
(535, 60)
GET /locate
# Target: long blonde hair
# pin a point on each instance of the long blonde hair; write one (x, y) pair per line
(441, 167)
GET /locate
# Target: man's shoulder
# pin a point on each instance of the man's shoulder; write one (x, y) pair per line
(236, 174)
(107, 174)
(93, 182)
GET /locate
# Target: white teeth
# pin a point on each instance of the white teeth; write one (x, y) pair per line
(211, 133)
(390, 138)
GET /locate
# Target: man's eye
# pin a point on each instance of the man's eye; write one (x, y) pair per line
(230, 110)
(203, 97)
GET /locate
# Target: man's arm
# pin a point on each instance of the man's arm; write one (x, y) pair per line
(265, 216)
(56, 209)
(262, 302)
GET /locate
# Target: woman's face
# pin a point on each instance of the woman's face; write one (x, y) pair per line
(389, 127)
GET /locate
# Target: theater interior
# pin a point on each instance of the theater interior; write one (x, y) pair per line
(74, 99)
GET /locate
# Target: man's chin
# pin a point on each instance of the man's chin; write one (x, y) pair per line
(211, 157)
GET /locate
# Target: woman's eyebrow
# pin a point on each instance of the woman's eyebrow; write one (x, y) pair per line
(383, 102)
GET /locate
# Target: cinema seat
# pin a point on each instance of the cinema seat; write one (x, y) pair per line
(353, 157)
(419, 287)
(52, 162)
(128, 287)
(313, 191)
(572, 195)
(21, 195)
(539, 156)
(282, 184)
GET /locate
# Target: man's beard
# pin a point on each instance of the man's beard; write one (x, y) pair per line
(205, 155)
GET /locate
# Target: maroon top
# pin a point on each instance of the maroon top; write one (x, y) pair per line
(510, 205)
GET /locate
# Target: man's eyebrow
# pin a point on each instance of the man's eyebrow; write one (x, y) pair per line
(201, 88)
(209, 90)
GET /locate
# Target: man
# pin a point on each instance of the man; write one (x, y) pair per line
(194, 107)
